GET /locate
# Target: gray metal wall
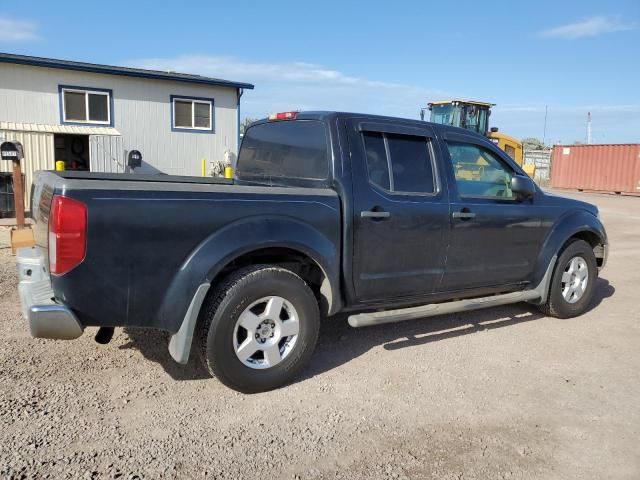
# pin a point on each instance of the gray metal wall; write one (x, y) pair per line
(141, 113)
(107, 154)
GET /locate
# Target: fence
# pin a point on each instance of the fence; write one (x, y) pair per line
(542, 161)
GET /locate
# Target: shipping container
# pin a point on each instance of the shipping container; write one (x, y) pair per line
(606, 168)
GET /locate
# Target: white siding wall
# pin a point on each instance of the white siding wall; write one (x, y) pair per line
(38, 155)
(107, 154)
(141, 113)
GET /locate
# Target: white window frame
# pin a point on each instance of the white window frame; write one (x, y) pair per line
(193, 114)
(86, 104)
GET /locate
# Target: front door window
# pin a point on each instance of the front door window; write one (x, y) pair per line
(479, 173)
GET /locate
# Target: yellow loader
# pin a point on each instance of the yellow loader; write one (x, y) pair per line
(474, 116)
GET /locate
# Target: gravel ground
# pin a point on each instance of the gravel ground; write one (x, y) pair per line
(500, 393)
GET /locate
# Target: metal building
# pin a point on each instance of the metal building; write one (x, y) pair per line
(90, 116)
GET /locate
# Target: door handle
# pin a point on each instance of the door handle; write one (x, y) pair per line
(463, 215)
(374, 214)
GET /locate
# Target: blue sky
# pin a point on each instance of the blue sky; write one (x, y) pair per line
(378, 57)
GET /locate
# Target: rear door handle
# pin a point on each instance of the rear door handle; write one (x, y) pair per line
(374, 214)
(463, 215)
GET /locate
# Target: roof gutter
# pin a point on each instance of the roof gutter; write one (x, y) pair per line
(240, 93)
(120, 71)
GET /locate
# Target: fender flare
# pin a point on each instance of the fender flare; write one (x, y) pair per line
(565, 227)
(181, 305)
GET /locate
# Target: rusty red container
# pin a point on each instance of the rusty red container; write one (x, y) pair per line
(608, 168)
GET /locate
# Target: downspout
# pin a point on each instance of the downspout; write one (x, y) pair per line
(240, 92)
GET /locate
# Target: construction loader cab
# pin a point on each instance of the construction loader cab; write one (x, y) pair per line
(474, 116)
(470, 115)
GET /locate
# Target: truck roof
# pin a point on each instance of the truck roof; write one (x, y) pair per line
(328, 115)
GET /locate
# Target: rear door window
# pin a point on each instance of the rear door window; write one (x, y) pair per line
(400, 163)
(285, 150)
(411, 165)
(377, 162)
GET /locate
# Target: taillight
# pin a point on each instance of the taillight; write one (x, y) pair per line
(283, 116)
(67, 234)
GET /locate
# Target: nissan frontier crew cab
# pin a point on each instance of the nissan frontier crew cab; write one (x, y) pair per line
(383, 219)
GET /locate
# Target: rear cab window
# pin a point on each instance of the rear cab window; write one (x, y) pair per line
(287, 153)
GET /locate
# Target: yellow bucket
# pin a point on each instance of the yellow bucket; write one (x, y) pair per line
(228, 172)
(59, 165)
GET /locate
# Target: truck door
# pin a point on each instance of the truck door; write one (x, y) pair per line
(400, 210)
(495, 237)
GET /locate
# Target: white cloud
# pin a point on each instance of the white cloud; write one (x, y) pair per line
(302, 86)
(12, 30)
(289, 86)
(589, 27)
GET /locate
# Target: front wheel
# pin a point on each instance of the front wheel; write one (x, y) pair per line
(259, 328)
(573, 281)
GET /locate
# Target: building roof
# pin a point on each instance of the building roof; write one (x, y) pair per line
(72, 129)
(123, 71)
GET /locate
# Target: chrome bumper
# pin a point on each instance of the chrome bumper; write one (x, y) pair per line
(46, 318)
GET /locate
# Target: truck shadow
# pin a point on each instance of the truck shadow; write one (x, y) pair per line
(339, 343)
(154, 346)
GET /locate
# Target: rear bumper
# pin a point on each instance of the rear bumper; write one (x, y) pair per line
(46, 317)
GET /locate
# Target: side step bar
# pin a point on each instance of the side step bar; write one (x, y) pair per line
(377, 318)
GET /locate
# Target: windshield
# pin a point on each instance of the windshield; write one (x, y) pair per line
(475, 119)
(446, 114)
(471, 117)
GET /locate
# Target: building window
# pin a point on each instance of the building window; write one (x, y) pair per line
(80, 105)
(192, 114)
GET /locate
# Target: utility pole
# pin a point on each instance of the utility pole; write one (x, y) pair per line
(544, 131)
(588, 128)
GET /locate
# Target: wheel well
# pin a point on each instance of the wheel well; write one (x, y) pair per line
(299, 263)
(593, 240)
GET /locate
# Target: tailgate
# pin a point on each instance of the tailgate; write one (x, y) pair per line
(42, 194)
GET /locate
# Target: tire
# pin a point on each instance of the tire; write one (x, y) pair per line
(561, 303)
(281, 301)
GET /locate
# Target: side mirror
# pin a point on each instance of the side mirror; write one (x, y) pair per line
(523, 186)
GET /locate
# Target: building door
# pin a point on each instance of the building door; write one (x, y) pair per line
(7, 208)
(73, 150)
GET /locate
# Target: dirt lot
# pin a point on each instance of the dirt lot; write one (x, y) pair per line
(501, 393)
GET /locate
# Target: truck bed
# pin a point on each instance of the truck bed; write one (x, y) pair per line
(153, 239)
(136, 177)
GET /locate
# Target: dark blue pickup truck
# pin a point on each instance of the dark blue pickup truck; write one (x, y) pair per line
(384, 219)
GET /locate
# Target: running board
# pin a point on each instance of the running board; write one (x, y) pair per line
(377, 318)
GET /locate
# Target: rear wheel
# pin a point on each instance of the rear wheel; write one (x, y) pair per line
(573, 281)
(259, 328)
